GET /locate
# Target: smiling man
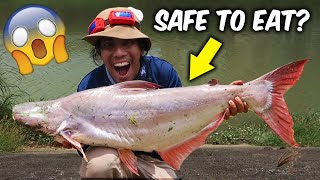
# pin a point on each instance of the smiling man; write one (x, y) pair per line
(119, 43)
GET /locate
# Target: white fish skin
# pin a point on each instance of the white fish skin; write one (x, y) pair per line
(135, 115)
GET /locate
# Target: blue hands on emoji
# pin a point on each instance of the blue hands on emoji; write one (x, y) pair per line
(34, 35)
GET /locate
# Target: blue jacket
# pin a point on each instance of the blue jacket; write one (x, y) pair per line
(152, 69)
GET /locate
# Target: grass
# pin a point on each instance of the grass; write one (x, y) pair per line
(11, 136)
(307, 128)
(306, 132)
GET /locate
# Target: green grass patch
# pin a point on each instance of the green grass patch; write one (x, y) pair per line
(307, 128)
(258, 133)
(11, 136)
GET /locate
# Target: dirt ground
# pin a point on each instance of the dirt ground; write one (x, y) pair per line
(208, 162)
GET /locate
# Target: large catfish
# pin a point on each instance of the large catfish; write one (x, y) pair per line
(140, 116)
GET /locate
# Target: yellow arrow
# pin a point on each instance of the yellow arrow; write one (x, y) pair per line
(201, 64)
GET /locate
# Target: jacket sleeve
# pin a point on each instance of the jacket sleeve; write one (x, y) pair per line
(173, 79)
(82, 86)
(94, 79)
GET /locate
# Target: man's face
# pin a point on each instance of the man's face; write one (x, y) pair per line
(122, 58)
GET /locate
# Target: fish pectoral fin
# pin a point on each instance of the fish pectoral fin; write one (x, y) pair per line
(176, 155)
(75, 143)
(129, 159)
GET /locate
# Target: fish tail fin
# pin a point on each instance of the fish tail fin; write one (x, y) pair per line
(275, 111)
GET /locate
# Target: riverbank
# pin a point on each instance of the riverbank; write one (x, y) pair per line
(208, 162)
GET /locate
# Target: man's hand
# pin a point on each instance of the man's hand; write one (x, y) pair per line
(236, 105)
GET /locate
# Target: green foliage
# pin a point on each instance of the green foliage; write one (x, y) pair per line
(7, 97)
(306, 132)
(11, 138)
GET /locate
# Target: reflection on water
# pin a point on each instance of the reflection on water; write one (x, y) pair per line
(244, 55)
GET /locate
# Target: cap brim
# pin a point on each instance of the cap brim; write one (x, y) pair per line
(121, 32)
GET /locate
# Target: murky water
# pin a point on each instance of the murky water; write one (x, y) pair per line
(244, 55)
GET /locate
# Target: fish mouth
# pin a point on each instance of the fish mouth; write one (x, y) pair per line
(25, 119)
(16, 113)
(16, 117)
(122, 68)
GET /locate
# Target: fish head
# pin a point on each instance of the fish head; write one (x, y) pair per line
(36, 115)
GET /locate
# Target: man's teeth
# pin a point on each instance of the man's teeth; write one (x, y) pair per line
(121, 64)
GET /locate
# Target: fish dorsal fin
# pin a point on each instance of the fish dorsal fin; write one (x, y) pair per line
(129, 159)
(75, 143)
(213, 82)
(137, 85)
(176, 155)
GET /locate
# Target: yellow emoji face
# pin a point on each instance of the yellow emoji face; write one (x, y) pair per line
(34, 35)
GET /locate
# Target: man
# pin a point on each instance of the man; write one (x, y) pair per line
(119, 43)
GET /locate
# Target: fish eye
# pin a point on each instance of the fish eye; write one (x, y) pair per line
(47, 27)
(20, 36)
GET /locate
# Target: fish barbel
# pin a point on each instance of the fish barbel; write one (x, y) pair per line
(140, 116)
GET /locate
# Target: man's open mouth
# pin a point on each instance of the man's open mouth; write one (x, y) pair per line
(122, 68)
